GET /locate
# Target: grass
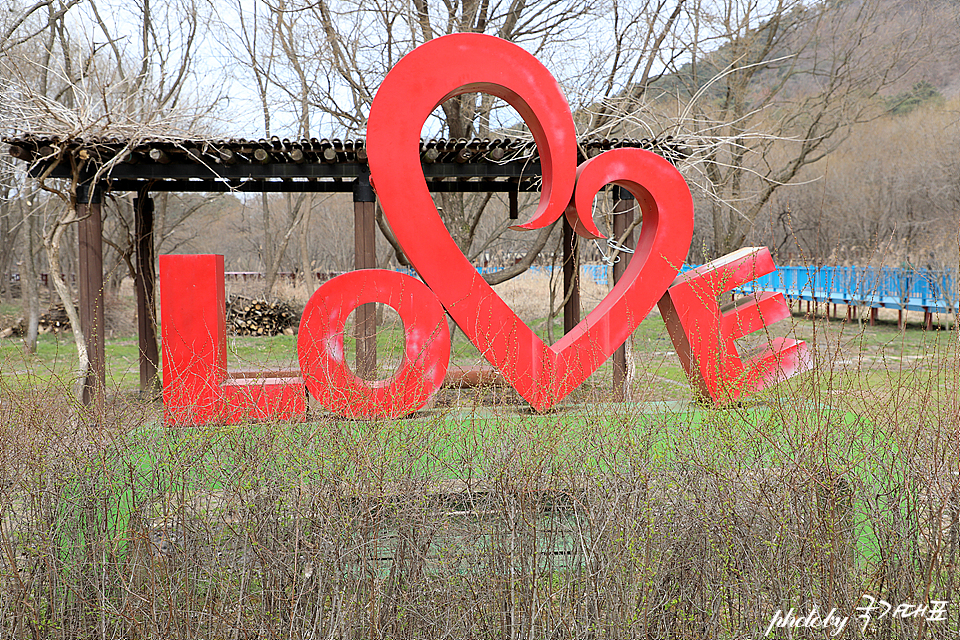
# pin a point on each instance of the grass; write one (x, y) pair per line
(449, 445)
(861, 356)
(56, 360)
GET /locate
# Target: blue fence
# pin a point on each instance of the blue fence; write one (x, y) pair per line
(910, 289)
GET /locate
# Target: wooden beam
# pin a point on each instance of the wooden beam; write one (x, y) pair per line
(571, 277)
(90, 234)
(146, 307)
(623, 212)
(365, 257)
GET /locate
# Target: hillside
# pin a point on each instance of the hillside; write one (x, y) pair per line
(923, 36)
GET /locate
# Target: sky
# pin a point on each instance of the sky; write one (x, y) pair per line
(223, 77)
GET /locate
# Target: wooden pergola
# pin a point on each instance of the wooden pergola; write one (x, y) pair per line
(275, 165)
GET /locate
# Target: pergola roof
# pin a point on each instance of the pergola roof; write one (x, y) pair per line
(318, 165)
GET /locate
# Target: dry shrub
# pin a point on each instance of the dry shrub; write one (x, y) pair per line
(296, 293)
(120, 310)
(593, 521)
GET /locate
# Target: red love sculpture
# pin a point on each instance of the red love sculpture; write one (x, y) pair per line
(196, 386)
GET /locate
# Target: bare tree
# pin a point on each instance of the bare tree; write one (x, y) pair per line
(66, 90)
(28, 22)
(330, 81)
(271, 50)
(778, 86)
(29, 273)
(27, 30)
(865, 208)
(10, 226)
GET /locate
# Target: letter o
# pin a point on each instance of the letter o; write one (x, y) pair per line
(320, 345)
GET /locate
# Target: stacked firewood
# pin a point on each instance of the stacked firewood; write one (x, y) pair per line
(259, 317)
(55, 320)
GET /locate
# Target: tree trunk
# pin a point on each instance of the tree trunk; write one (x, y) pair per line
(29, 281)
(8, 238)
(51, 245)
(303, 239)
(270, 275)
(295, 214)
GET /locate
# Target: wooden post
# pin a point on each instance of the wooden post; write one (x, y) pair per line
(90, 235)
(928, 320)
(571, 277)
(623, 206)
(874, 314)
(146, 306)
(900, 322)
(365, 257)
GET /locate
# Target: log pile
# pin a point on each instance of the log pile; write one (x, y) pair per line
(259, 317)
(55, 320)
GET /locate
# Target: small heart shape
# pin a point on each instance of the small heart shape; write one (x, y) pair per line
(541, 373)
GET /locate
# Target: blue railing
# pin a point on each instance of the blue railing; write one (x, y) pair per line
(910, 289)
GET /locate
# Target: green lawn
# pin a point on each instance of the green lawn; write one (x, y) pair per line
(850, 357)
(586, 441)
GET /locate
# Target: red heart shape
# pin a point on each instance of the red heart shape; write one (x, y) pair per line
(542, 374)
